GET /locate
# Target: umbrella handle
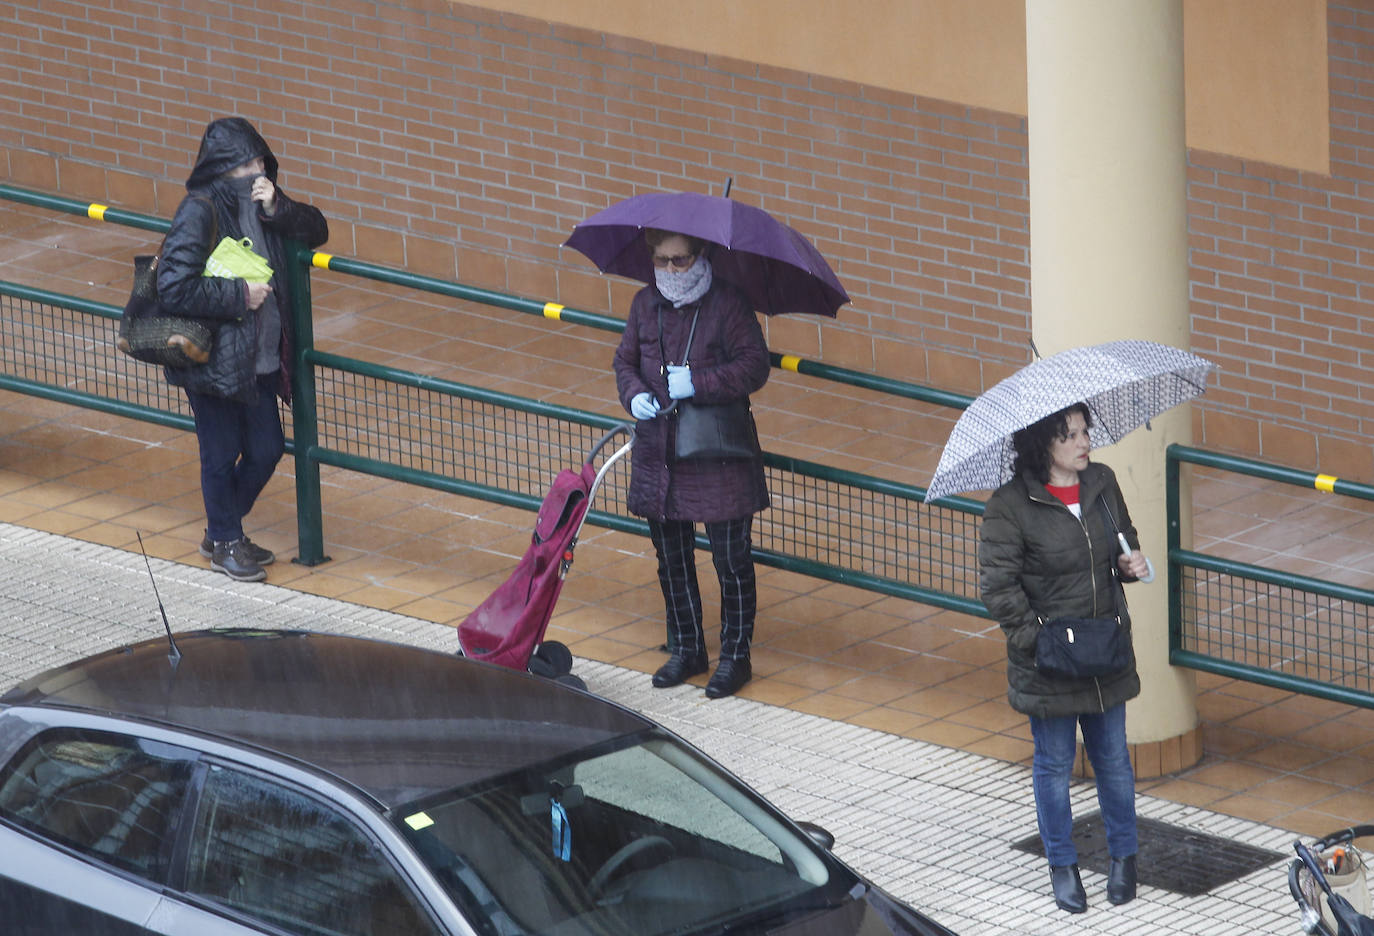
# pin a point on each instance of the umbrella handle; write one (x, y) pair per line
(1149, 575)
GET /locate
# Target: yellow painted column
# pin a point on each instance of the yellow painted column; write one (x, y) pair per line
(1108, 234)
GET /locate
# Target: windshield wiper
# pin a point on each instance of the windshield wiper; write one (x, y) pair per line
(778, 913)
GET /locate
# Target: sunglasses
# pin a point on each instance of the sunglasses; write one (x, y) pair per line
(680, 262)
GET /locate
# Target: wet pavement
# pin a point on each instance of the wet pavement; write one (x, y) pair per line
(935, 825)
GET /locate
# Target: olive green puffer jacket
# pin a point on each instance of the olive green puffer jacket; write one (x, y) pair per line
(1038, 560)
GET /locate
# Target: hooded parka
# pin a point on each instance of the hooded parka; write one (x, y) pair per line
(209, 212)
(1037, 560)
(729, 361)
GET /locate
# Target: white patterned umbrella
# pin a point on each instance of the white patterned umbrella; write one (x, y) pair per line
(1124, 383)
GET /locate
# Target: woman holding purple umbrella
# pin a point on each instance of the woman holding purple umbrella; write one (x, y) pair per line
(691, 335)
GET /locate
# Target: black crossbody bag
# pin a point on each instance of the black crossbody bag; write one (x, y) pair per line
(1085, 648)
(710, 430)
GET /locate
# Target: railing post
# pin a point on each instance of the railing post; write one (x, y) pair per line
(304, 419)
(1175, 542)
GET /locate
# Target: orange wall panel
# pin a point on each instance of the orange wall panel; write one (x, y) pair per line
(1255, 69)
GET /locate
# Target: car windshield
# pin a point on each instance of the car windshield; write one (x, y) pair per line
(644, 837)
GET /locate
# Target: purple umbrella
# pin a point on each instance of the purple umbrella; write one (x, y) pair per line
(777, 267)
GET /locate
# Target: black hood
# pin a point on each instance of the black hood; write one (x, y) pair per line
(227, 143)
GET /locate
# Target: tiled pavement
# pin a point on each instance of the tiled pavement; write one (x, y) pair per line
(914, 673)
(932, 824)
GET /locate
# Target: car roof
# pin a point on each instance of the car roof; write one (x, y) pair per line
(398, 722)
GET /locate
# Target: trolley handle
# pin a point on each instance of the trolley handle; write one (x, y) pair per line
(625, 427)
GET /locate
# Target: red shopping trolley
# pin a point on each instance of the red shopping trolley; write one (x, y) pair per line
(508, 627)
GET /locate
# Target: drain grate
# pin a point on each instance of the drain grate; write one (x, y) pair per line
(1181, 861)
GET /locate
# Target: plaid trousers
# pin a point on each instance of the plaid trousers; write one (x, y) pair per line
(674, 542)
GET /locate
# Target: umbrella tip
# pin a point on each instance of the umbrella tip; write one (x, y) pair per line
(729, 181)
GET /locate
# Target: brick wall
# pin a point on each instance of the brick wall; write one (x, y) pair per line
(463, 143)
(1281, 283)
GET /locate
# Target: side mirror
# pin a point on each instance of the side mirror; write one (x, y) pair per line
(818, 835)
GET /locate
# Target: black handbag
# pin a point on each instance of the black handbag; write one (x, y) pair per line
(147, 332)
(1084, 648)
(710, 430)
(715, 430)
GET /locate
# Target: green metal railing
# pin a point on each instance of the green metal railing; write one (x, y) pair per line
(1235, 619)
(364, 417)
(1245, 621)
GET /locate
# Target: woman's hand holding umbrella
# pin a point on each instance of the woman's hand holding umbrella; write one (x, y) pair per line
(1133, 562)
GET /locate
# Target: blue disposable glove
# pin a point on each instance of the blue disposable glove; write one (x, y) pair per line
(680, 382)
(644, 406)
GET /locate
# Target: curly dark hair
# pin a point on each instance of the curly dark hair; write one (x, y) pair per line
(1032, 444)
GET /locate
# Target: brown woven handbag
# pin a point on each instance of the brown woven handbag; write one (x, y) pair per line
(147, 332)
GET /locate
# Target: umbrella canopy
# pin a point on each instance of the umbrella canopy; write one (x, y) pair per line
(1124, 383)
(778, 268)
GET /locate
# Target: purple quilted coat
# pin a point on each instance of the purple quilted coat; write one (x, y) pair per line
(729, 360)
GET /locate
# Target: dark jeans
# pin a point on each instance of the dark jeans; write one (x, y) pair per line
(1056, 746)
(240, 445)
(674, 541)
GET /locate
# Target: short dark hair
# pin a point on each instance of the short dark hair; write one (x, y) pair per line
(656, 236)
(1032, 444)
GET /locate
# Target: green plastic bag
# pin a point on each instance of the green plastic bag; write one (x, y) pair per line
(235, 259)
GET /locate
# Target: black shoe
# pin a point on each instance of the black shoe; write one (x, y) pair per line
(1068, 888)
(234, 560)
(729, 678)
(679, 669)
(1121, 880)
(263, 557)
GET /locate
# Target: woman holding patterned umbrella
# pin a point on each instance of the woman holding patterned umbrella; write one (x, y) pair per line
(1049, 549)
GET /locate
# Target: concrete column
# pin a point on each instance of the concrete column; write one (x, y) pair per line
(1109, 260)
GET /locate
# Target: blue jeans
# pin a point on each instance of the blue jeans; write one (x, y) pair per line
(1056, 744)
(240, 445)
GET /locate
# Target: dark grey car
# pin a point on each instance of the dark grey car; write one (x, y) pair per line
(302, 783)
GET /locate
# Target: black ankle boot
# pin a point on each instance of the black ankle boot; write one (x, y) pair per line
(1068, 888)
(1121, 880)
(679, 669)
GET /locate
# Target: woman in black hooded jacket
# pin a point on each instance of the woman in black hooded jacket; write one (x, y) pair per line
(232, 192)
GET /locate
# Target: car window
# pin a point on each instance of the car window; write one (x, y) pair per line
(279, 855)
(110, 796)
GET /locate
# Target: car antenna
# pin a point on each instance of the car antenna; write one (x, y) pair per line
(173, 655)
